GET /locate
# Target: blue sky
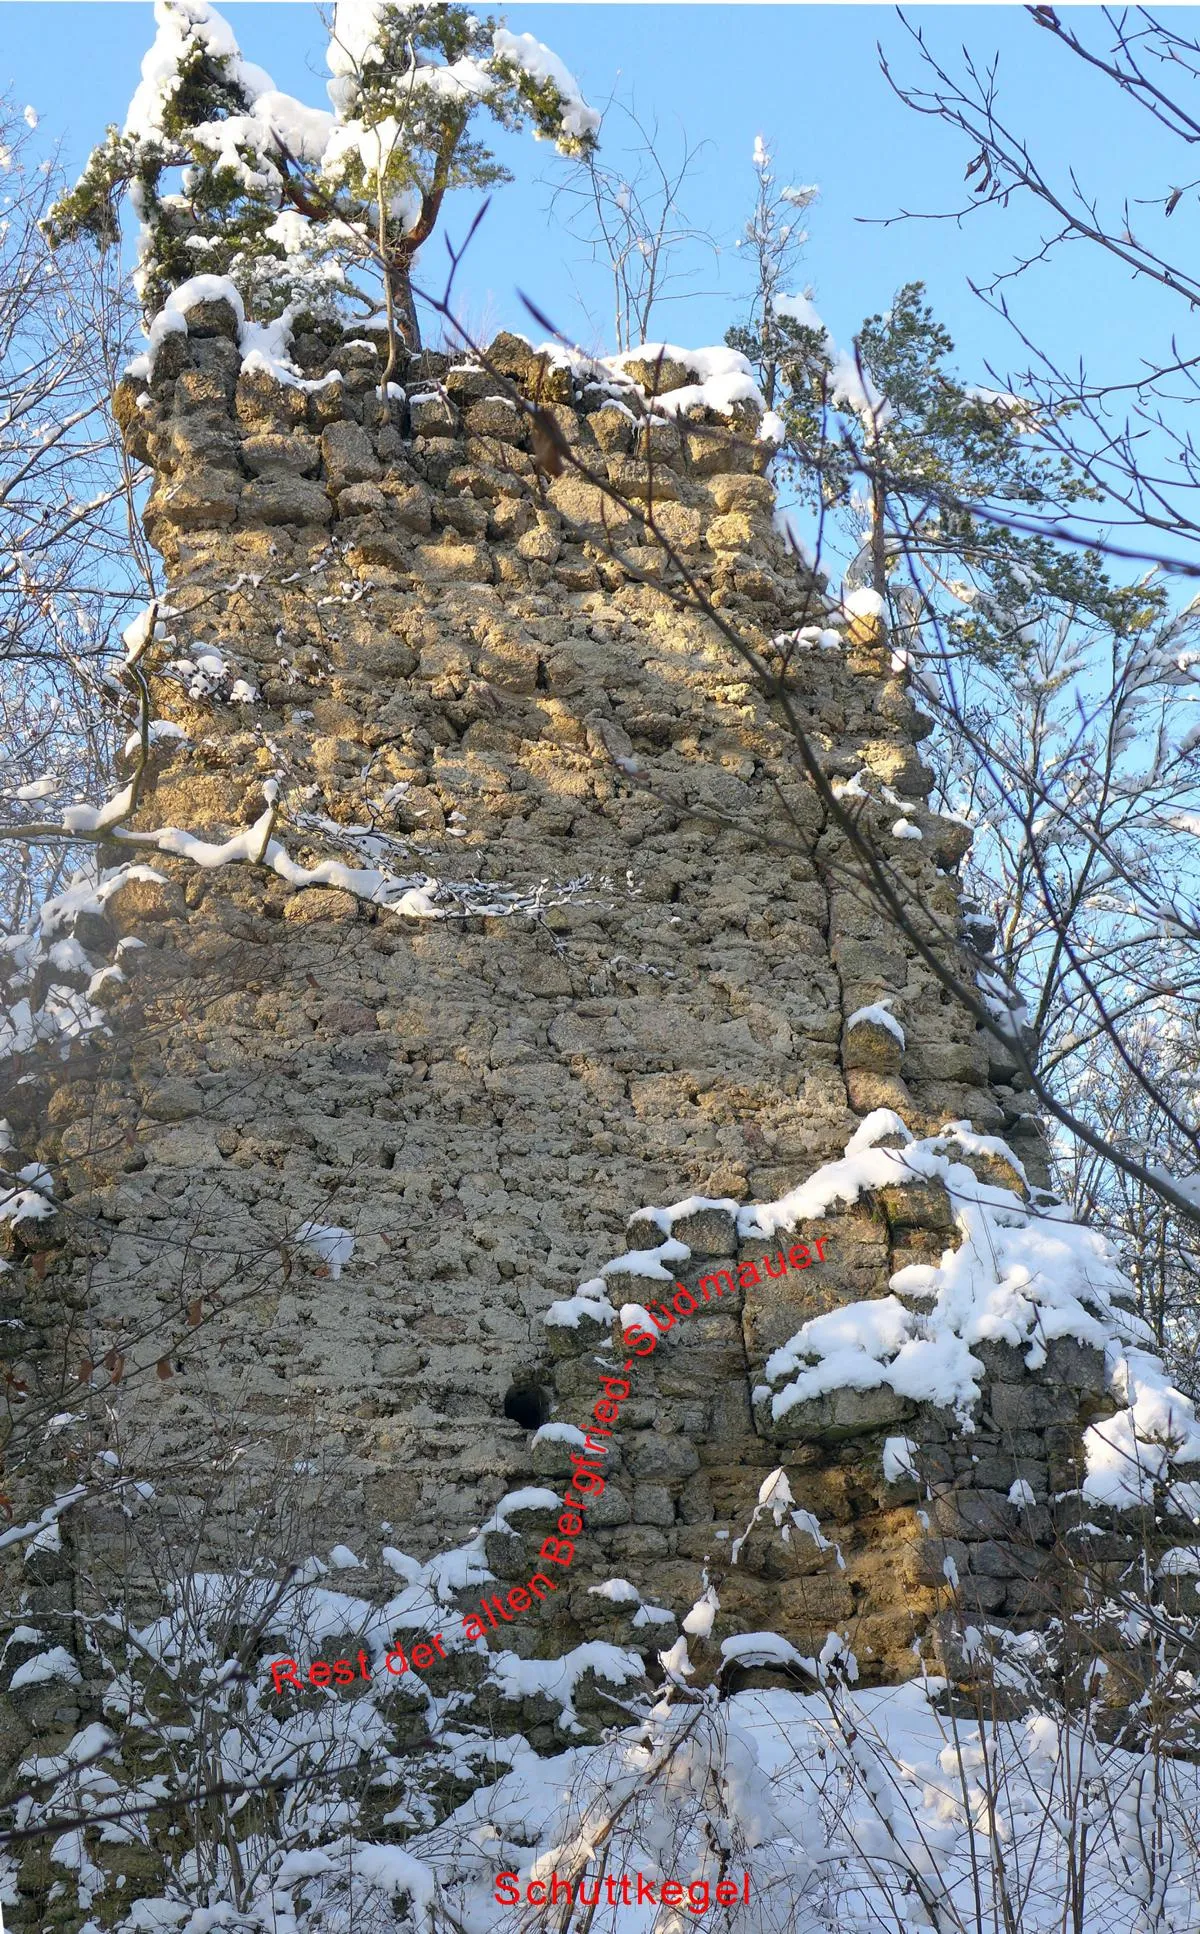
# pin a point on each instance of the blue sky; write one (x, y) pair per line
(806, 76)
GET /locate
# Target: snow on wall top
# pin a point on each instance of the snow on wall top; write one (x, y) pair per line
(722, 378)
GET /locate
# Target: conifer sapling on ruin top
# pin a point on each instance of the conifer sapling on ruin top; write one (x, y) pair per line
(305, 207)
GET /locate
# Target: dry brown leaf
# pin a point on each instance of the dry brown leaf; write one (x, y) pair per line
(549, 444)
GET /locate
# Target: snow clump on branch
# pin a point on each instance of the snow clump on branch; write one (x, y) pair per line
(307, 208)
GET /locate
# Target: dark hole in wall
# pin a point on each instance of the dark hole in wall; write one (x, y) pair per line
(527, 1405)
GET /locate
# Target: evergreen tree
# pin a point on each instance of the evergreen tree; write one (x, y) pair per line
(956, 519)
(301, 206)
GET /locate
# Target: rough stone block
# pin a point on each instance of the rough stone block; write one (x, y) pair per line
(659, 443)
(1080, 1365)
(495, 416)
(213, 318)
(989, 1166)
(410, 507)
(136, 901)
(1030, 1406)
(1003, 1362)
(466, 382)
(613, 429)
(653, 1504)
(362, 500)
(273, 453)
(284, 500)
(658, 374)
(348, 457)
(203, 390)
(947, 1061)
(510, 517)
(609, 1509)
(752, 496)
(990, 1558)
(260, 399)
(174, 1100)
(634, 478)
(869, 1091)
(926, 1560)
(709, 449)
(733, 532)
(708, 1232)
(169, 359)
(649, 1454)
(982, 1594)
(899, 766)
(399, 1360)
(198, 500)
(332, 403)
(453, 564)
(974, 1514)
(322, 904)
(918, 1205)
(997, 1469)
(541, 545)
(1034, 1597)
(638, 1544)
(196, 442)
(680, 525)
(819, 1600)
(511, 661)
(871, 1045)
(432, 415)
(511, 355)
(574, 570)
(349, 1017)
(585, 506)
(949, 841)
(464, 514)
(874, 968)
(841, 1414)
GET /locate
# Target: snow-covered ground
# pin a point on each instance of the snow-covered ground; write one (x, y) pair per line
(864, 1810)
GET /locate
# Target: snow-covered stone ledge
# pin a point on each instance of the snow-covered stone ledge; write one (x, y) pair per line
(1001, 1386)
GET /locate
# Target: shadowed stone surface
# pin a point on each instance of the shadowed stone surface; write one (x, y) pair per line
(637, 988)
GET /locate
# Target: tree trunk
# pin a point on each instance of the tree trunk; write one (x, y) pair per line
(404, 303)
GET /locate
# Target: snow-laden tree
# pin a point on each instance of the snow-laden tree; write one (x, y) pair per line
(962, 491)
(73, 562)
(302, 205)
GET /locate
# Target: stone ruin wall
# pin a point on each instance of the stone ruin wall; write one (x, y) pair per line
(450, 647)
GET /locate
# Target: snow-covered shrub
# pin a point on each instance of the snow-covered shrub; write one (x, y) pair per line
(1017, 1796)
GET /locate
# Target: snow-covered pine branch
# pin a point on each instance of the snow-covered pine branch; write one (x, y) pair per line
(305, 207)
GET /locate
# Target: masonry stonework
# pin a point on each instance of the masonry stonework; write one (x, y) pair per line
(617, 969)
